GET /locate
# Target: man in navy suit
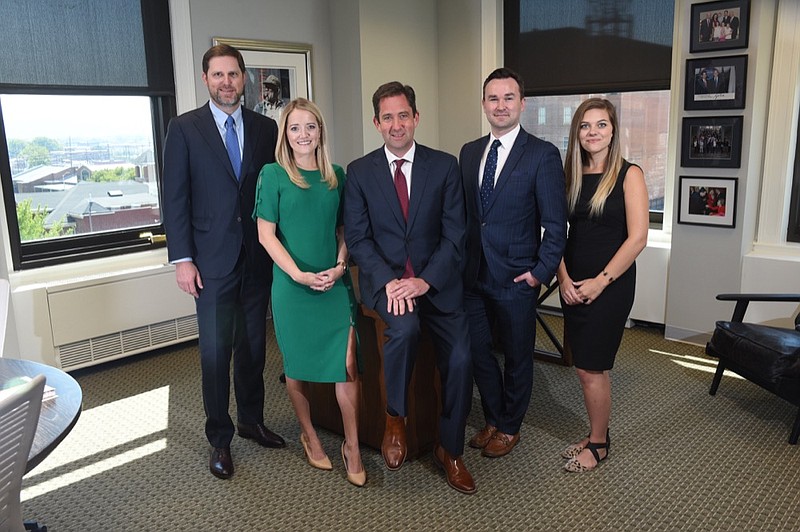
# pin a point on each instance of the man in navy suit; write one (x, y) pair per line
(404, 227)
(212, 157)
(513, 187)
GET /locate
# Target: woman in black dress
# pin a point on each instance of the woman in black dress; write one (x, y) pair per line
(609, 216)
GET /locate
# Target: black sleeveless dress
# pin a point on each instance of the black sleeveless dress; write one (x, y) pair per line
(594, 331)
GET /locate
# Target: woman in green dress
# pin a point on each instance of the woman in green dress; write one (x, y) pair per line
(298, 211)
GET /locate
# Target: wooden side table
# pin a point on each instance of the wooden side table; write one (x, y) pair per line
(423, 392)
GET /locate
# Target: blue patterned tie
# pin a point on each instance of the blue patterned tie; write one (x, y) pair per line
(487, 185)
(232, 146)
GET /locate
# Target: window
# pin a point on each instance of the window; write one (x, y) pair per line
(793, 231)
(542, 115)
(538, 35)
(643, 119)
(79, 173)
(589, 46)
(81, 133)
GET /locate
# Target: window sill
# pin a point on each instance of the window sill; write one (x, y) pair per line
(90, 271)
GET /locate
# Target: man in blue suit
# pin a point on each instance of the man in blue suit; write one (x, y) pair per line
(513, 187)
(212, 157)
(404, 227)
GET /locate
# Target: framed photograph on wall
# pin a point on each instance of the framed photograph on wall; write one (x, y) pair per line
(715, 83)
(707, 201)
(277, 73)
(719, 25)
(712, 141)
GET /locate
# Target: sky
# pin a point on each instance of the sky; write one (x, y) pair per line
(27, 116)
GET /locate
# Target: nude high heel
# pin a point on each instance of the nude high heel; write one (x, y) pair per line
(356, 479)
(323, 463)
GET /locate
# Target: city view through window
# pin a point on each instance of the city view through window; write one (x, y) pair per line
(643, 120)
(81, 164)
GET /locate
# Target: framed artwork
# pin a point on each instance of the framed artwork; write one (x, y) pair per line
(715, 83)
(277, 73)
(719, 25)
(712, 141)
(707, 201)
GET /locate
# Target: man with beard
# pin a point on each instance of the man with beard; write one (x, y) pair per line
(212, 157)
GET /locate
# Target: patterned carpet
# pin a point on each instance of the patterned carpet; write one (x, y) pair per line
(681, 459)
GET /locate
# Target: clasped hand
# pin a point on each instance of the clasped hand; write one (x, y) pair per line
(581, 292)
(321, 281)
(401, 294)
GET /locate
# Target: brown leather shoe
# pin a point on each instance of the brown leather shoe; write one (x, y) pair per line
(455, 471)
(482, 437)
(500, 444)
(261, 434)
(393, 447)
(220, 463)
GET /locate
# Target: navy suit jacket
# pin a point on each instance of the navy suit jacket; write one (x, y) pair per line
(379, 239)
(207, 211)
(529, 196)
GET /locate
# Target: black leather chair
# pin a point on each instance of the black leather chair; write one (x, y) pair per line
(767, 356)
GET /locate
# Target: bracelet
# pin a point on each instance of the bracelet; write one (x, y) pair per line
(610, 279)
(343, 264)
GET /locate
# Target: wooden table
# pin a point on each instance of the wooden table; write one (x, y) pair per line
(423, 390)
(57, 416)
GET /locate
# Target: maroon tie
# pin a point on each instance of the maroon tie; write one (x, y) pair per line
(401, 188)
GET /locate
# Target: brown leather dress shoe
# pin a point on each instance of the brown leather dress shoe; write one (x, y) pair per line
(500, 444)
(393, 446)
(221, 463)
(456, 472)
(482, 437)
(262, 435)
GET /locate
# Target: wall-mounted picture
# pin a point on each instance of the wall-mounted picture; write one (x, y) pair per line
(712, 141)
(276, 73)
(707, 201)
(719, 25)
(715, 83)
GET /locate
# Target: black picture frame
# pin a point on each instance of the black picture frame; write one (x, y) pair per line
(704, 35)
(707, 201)
(712, 142)
(715, 83)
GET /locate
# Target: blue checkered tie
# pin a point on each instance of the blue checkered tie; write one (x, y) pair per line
(232, 146)
(487, 185)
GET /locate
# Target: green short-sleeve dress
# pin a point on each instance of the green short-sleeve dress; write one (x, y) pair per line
(311, 327)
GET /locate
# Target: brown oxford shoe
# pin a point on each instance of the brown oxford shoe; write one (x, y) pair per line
(456, 472)
(221, 463)
(482, 437)
(500, 444)
(393, 446)
(262, 435)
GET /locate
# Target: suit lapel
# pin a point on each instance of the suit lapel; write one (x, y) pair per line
(511, 162)
(385, 183)
(419, 180)
(251, 134)
(208, 129)
(473, 166)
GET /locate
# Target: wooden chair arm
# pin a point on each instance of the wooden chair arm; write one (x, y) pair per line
(743, 300)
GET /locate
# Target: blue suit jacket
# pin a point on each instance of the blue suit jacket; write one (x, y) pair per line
(207, 212)
(380, 240)
(529, 196)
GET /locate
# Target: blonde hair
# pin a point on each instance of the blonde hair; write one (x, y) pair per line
(284, 154)
(577, 158)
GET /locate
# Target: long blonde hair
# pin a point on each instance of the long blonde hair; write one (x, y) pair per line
(284, 154)
(577, 158)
